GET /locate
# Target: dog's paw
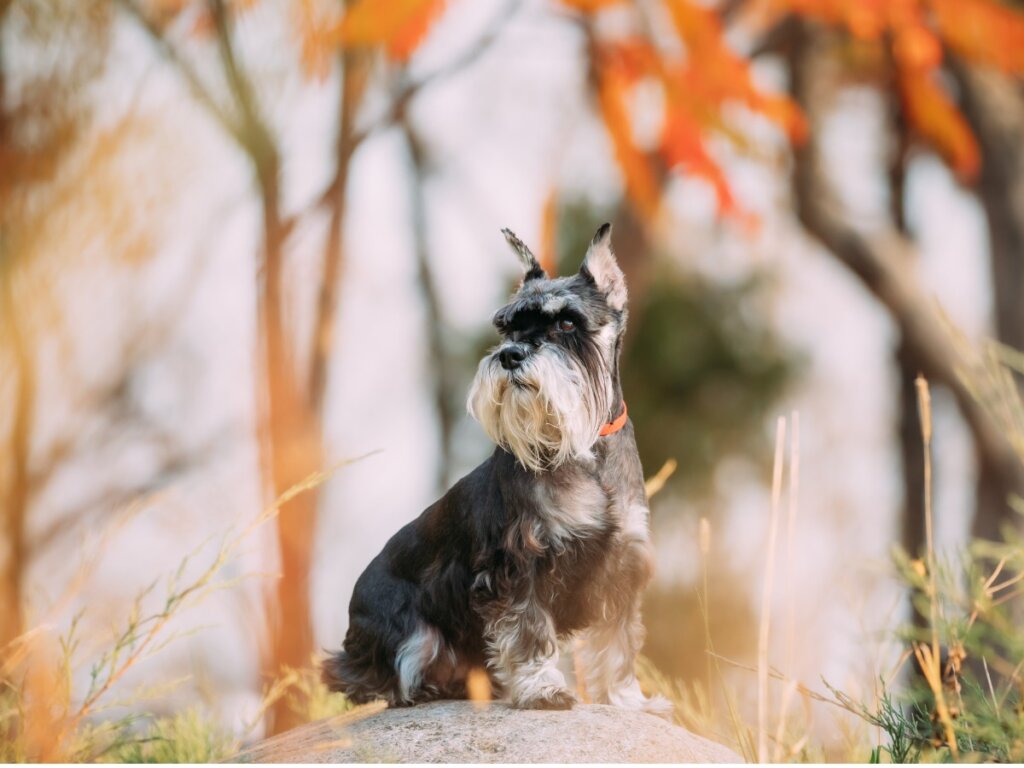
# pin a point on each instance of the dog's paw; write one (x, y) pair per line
(658, 705)
(549, 698)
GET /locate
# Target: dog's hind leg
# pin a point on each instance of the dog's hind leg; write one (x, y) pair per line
(522, 652)
(417, 655)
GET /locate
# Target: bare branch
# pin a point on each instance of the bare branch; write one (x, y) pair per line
(409, 90)
(441, 372)
(254, 134)
(177, 461)
(355, 73)
(195, 83)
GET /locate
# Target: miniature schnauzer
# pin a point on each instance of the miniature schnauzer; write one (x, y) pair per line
(547, 539)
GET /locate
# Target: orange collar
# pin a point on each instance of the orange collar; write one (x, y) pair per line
(614, 426)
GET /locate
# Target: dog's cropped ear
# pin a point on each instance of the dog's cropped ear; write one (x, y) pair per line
(533, 268)
(600, 267)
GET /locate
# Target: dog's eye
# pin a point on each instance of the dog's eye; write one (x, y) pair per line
(565, 325)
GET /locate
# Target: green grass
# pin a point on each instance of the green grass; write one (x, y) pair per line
(192, 736)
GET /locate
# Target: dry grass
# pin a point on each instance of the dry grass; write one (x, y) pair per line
(44, 719)
(966, 700)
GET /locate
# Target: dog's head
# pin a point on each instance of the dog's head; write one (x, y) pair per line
(545, 391)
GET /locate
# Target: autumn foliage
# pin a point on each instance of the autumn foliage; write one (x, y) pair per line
(922, 35)
(676, 53)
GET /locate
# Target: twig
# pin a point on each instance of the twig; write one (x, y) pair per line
(766, 595)
(654, 484)
(775, 674)
(409, 90)
(192, 79)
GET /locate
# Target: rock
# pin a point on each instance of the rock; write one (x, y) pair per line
(460, 732)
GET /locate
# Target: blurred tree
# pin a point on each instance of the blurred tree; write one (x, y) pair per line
(993, 104)
(447, 379)
(883, 261)
(70, 210)
(292, 402)
(42, 114)
(898, 46)
(360, 38)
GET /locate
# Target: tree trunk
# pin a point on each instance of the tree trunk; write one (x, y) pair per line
(16, 488)
(294, 453)
(881, 263)
(994, 107)
(907, 366)
(15, 498)
(296, 407)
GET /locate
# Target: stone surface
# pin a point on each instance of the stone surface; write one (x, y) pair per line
(458, 732)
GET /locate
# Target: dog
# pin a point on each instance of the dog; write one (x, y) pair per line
(546, 540)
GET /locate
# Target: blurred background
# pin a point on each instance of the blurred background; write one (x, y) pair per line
(243, 242)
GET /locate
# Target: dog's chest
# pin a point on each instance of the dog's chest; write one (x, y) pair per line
(577, 507)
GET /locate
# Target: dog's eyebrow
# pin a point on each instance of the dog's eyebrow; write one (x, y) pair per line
(548, 304)
(537, 311)
(552, 305)
(517, 315)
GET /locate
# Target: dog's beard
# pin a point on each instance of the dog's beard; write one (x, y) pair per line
(547, 411)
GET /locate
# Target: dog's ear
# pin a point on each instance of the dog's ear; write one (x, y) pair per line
(600, 267)
(533, 268)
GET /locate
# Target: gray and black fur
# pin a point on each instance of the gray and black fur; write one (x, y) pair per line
(547, 539)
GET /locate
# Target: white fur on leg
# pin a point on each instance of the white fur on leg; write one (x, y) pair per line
(523, 652)
(629, 696)
(608, 657)
(538, 682)
(414, 655)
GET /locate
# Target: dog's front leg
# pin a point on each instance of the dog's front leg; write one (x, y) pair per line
(610, 646)
(522, 650)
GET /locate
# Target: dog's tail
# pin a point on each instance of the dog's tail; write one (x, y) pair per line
(332, 672)
(360, 682)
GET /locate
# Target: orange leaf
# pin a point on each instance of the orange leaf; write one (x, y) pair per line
(699, 28)
(404, 44)
(937, 119)
(715, 74)
(633, 58)
(916, 47)
(397, 25)
(590, 6)
(641, 186)
(983, 31)
(865, 19)
(683, 147)
(317, 25)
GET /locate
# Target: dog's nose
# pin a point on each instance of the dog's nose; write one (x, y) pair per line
(511, 356)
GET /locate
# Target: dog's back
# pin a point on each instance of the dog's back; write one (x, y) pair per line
(412, 635)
